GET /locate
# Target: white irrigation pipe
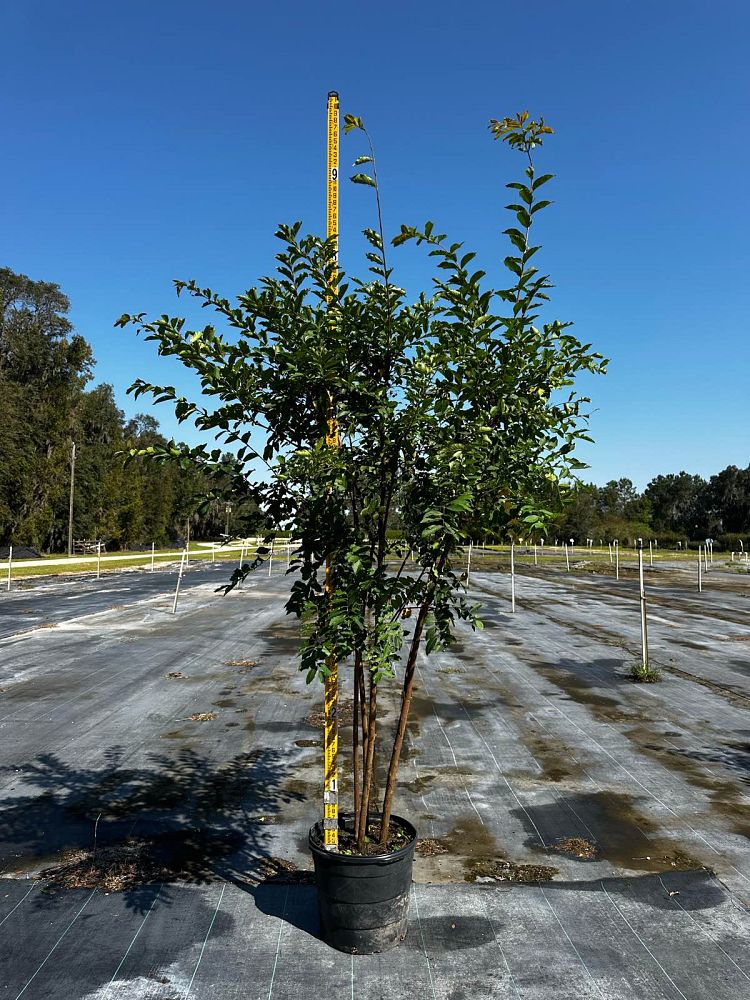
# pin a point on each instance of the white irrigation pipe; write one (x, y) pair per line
(468, 564)
(535, 562)
(644, 620)
(567, 557)
(513, 577)
(700, 581)
(10, 564)
(179, 581)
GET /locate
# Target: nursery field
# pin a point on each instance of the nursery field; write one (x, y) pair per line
(581, 835)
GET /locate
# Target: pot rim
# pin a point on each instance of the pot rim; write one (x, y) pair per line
(317, 848)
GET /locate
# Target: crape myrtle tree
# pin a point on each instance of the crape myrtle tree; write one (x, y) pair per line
(455, 406)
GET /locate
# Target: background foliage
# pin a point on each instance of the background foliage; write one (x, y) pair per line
(45, 367)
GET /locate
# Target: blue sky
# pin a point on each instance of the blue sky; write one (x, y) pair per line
(145, 141)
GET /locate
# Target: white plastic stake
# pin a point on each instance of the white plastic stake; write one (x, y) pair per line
(153, 550)
(468, 563)
(650, 553)
(535, 562)
(213, 553)
(700, 567)
(270, 558)
(242, 559)
(644, 620)
(610, 552)
(512, 577)
(98, 559)
(179, 581)
(617, 560)
(10, 564)
(567, 557)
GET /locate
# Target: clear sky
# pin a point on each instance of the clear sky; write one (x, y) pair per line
(144, 141)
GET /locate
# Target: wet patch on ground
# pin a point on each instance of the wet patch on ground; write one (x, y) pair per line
(615, 823)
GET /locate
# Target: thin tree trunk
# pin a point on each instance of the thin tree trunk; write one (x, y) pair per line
(364, 808)
(363, 722)
(403, 718)
(355, 742)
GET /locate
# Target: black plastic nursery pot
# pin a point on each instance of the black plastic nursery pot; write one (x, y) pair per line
(363, 901)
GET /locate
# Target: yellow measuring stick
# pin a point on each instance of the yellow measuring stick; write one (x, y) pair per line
(331, 736)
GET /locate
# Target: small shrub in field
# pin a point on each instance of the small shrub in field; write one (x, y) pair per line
(642, 674)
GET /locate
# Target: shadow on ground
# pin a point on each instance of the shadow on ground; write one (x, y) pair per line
(176, 818)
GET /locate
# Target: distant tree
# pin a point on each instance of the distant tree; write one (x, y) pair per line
(726, 501)
(580, 517)
(44, 367)
(675, 502)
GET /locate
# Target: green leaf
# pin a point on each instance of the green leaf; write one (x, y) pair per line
(362, 159)
(353, 122)
(363, 179)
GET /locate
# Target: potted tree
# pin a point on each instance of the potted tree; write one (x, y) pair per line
(451, 409)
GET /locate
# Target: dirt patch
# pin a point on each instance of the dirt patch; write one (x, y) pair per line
(202, 716)
(118, 867)
(175, 675)
(508, 871)
(576, 847)
(429, 847)
(241, 663)
(115, 868)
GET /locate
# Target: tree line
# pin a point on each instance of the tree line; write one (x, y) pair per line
(46, 405)
(672, 508)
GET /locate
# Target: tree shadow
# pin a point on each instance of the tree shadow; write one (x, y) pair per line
(180, 818)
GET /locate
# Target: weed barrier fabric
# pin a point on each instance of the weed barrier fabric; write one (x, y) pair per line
(650, 936)
(524, 737)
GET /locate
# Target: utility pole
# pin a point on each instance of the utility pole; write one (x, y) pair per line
(72, 490)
